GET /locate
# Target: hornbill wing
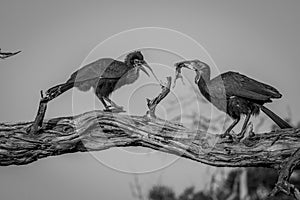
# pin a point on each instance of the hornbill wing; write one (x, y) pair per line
(227, 91)
(102, 68)
(236, 84)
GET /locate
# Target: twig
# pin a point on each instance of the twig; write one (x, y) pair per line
(41, 111)
(4, 55)
(154, 102)
(283, 184)
(235, 188)
(137, 188)
(38, 121)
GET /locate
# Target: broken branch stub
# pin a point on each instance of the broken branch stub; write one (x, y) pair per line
(154, 102)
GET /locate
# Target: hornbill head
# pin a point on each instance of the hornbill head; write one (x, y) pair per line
(136, 59)
(201, 68)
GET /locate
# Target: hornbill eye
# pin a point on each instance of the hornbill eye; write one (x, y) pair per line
(136, 62)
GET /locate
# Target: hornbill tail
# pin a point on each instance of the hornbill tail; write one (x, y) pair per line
(279, 121)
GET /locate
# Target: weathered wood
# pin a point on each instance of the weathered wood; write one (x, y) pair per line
(283, 184)
(154, 102)
(40, 115)
(96, 131)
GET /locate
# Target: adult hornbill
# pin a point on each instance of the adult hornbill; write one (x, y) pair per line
(234, 94)
(105, 76)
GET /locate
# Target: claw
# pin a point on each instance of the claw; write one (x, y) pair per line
(113, 105)
(224, 135)
(241, 135)
(227, 136)
(114, 110)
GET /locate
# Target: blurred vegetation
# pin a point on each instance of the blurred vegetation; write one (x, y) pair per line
(237, 184)
(259, 182)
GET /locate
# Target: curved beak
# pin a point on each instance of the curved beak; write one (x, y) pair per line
(144, 70)
(145, 64)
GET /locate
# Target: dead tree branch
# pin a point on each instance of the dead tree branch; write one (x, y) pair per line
(25, 142)
(4, 55)
(154, 102)
(96, 131)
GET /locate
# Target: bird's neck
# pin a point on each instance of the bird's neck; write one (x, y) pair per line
(203, 88)
(206, 74)
(203, 82)
(128, 78)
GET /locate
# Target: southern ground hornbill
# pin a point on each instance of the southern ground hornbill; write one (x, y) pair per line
(105, 76)
(234, 94)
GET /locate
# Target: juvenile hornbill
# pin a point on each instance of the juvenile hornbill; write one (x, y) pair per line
(105, 75)
(234, 94)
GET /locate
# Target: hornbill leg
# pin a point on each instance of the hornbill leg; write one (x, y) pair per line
(244, 128)
(227, 132)
(103, 102)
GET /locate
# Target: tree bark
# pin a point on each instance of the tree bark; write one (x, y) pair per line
(97, 130)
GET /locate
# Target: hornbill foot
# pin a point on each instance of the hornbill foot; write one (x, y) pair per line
(241, 135)
(114, 109)
(115, 106)
(227, 135)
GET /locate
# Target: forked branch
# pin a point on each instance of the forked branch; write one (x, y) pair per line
(154, 102)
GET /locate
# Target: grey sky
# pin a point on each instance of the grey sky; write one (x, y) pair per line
(257, 38)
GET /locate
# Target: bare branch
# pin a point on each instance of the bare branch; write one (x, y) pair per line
(4, 55)
(96, 131)
(154, 102)
(40, 115)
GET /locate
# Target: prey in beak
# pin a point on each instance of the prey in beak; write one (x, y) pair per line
(178, 67)
(188, 64)
(198, 66)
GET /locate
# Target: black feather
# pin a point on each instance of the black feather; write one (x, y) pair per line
(280, 122)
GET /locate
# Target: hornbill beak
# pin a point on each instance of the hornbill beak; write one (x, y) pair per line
(141, 67)
(145, 64)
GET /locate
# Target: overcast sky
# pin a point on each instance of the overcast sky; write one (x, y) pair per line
(257, 38)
